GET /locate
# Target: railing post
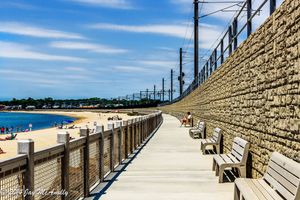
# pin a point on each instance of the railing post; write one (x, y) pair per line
(126, 138)
(210, 65)
(230, 40)
(134, 134)
(100, 129)
(215, 59)
(272, 6)
(111, 127)
(249, 14)
(86, 161)
(206, 69)
(64, 138)
(141, 132)
(27, 147)
(222, 51)
(234, 33)
(119, 125)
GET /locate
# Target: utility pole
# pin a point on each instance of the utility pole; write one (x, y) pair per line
(154, 91)
(147, 94)
(196, 37)
(169, 95)
(171, 84)
(180, 73)
(163, 89)
(141, 96)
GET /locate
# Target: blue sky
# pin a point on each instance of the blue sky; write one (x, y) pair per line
(98, 48)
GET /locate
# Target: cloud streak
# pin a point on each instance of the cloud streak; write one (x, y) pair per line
(97, 48)
(16, 28)
(18, 51)
(209, 33)
(161, 29)
(116, 4)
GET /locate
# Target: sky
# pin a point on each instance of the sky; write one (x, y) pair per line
(101, 48)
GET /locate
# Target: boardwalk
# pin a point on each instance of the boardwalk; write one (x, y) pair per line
(169, 167)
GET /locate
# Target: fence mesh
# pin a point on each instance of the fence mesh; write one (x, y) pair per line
(47, 180)
(94, 168)
(76, 174)
(11, 186)
(106, 154)
(116, 147)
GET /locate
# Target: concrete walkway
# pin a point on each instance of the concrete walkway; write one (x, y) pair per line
(169, 167)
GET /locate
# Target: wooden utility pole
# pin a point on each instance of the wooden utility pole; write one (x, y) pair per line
(154, 91)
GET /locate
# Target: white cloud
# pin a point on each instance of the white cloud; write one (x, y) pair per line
(181, 31)
(117, 4)
(18, 51)
(131, 69)
(87, 46)
(33, 31)
(157, 63)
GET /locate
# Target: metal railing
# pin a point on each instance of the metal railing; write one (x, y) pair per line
(231, 38)
(71, 169)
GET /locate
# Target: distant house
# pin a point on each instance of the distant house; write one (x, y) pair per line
(17, 107)
(30, 107)
(2, 107)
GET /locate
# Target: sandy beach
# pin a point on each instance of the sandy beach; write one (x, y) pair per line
(47, 137)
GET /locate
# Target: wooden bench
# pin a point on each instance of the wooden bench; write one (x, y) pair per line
(281, 181)
(198, 131)
(237, 158)
(214, 141)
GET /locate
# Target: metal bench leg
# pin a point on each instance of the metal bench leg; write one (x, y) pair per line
(236, 193)
(214, 165)
(217, 170)
(242, 171)
(221, 174)
(203, 148)
(218, 148)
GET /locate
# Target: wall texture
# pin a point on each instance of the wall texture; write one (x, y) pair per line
(255, 94)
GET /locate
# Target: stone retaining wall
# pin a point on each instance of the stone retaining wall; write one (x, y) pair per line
(255, 94)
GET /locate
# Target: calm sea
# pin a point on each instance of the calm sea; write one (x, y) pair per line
(38, 121)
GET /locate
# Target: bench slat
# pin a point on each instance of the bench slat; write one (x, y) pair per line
(262, 190)
(238, 148)
(226, 158)
(258, 189)
(268, 189)
(219, 159)
(233, 158)
(291, 178)
(240, 141)
(292, 166)
(237, 155)
(246, 191)
(283, 191)
(281, 180)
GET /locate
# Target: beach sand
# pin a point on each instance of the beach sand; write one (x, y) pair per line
(47, 137)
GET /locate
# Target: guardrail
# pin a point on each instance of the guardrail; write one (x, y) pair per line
(71, 169)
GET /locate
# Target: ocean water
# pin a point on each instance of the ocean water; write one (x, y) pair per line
(38, 121)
